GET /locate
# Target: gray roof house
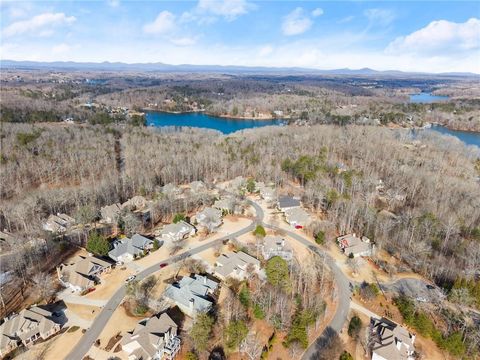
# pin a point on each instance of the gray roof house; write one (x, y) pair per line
(176, 232)
(235, 265)
(351, 244)
(276, 246)
(127, 249)
(390, 341)
(58, 223)
(226, 204)
(25, 328)
(268, 193)
(190, 294)
(110, 213)
(153, 338)
(287, 202)
(297, 217)
(209, 218)
(82, 272)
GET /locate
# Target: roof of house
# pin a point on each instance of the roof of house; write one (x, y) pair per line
(297, 215)
(180, 227)
(230, 262)
(209, 212)
(133, 246)
(136, 202)
(24, 325)
(194, 288)
(170, 189)
(352, 244)
(78, 272)
(197, 185)
(149, 334)
(287, 202)
(110, 211)
(275, 243)
(392, 341)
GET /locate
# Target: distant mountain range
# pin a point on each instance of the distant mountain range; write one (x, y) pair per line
(161, 67)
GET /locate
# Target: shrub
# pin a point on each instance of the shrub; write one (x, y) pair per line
(346, 356)
(244, 296)
(98, 244)
(201, 330)
(178, 217)
(258, 312)
(260, 231)
(277, 271)
(354, 326)
(320, 238)
(235, 333)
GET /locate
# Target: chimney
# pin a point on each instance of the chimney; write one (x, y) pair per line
(191, 304)
(204, 280)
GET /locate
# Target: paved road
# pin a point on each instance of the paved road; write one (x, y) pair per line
(343, 291)
(92, 334)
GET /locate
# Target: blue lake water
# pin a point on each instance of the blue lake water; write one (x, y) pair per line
(201, 120)
(426, 98)
(469, 138)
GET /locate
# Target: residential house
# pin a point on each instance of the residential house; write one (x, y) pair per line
(297, 217)
(58, 223)
(110, 213)
(135, 203)
(235, 265)
(226, 205)
(268, 193)
(351, 244)
(209, 218)
(176, 232)
(276, 246)
(153, 338)
(192, 294)
(25, 328)
(390, 341)
(287, 202)
(83, 272)
(127, 249)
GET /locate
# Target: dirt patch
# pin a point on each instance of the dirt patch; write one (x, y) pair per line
(86, 312)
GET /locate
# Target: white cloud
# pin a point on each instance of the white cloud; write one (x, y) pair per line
(163, 24)
(317, 12)
(440, 37)
(229, 9)
(296, 22)
(265, 50)
(61, 49)
(379, 16)
(42, 24)
(346, 19)
(183, 41)
(113, 3)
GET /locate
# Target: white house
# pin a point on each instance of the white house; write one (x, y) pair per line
(297, 217)
(235, 265)
(176, 232)
(276, 246)
(351, 244)
(83, 272)
(125, 250)
(209, 218)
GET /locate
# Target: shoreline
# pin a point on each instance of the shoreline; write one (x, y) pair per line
(222, 116)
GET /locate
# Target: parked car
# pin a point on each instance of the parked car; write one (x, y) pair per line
(130, 278)
(162, 265)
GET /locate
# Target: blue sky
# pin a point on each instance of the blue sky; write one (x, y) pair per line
(408, 35)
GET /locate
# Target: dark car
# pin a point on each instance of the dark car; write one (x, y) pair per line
(163, 265)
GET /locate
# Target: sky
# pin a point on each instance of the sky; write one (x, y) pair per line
(425, 36)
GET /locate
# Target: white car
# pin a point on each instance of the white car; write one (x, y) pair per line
(130, 278)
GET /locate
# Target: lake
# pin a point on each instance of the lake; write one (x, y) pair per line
(201, 120)
(469, 138)
(426, 98)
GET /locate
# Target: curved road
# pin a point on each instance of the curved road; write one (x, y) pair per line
(342, 284)
(343, 292)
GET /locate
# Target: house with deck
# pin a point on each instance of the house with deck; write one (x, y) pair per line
(192, 294)
(26, 328)
(177, 231)
(276, 246)
(128, 249)
(82, 272)
(155, 338)
(390, 341)
(236, 265)
(351, 244)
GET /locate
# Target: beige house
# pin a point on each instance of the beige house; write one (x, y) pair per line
(154, 338)
(390, 341)
(25, 328)
(82, 272)
(235, 265)
(351, 244)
